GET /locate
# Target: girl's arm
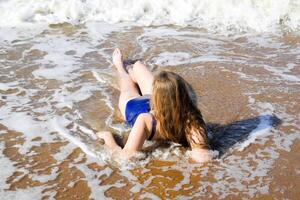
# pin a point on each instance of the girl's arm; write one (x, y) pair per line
(135, 140)
(109, 140)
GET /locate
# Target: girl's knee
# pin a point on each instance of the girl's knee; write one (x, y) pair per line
(138, 66)
(131, 74)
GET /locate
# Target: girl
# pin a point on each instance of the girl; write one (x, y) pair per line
(170, 116)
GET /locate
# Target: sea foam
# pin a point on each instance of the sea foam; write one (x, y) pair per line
(243, 15)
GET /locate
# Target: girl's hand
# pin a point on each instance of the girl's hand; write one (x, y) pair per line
(109, 140)
(201, 155)
(101, 137)
(101, 134)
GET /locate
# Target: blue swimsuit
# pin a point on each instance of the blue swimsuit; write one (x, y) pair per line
(137, 106)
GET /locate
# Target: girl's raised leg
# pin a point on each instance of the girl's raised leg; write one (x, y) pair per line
(140, 74)
(128, 89)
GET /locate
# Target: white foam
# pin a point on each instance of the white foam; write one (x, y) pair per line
(4, 87)
(285, 141)
(172, 58)
(180, 58)
(64, 152)
(281, 72)
(65, 98)
(236, 173)
(98, 77)
(99, 31)
(56, 64)
(263, 128)
(44, 178)
(59, 124)
(7, 169)
(26, 194)
(20, 33)
(10, 85)
(24, 123)
(87, 131)
(92, 177)
(223, 15)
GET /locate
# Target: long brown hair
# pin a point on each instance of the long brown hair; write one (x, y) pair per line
(179, 119)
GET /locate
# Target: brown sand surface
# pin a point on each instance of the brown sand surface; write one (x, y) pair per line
(234, 91)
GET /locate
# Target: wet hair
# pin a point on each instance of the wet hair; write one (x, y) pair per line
(179, 119)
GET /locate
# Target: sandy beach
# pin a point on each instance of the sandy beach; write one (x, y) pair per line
(58, 88)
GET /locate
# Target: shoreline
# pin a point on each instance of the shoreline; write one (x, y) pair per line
(241, 84)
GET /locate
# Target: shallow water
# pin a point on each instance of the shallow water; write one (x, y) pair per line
(58, 87)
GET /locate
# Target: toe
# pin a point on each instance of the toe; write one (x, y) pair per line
(117, 51)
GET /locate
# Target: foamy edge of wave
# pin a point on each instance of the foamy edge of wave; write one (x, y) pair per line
(262, 128)
(56, 123)
(218, 15)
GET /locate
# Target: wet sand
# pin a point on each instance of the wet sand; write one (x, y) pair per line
(244, 85)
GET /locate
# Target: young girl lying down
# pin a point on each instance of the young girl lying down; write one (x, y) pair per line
(164, 111)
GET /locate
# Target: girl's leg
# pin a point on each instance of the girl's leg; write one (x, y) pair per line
(128, 89)
(142, 76)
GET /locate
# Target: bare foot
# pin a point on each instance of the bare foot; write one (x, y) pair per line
(117, 59)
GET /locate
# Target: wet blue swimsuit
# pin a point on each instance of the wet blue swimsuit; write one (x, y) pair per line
(137, 106)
